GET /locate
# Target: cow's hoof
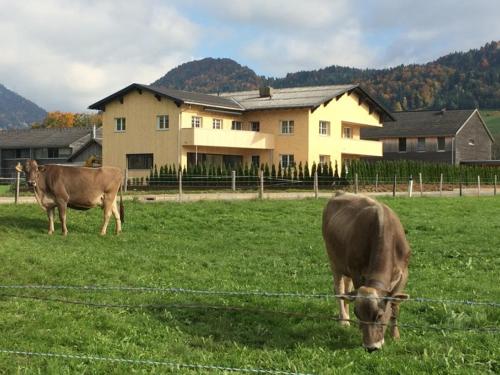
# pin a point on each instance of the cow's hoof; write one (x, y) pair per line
(50, 232)
(345, 323)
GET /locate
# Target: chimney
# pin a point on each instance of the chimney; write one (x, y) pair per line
(265, 91)
(93, 131)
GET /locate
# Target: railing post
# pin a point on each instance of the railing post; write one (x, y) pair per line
(18, 179)
(261, 187)
(421, 185)
(233, 180)
(441, 185)
(180, 185)
(316, 188)
(394, 186)
(356, 183)
(410, 186)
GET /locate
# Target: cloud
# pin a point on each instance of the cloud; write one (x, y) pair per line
(66, 55)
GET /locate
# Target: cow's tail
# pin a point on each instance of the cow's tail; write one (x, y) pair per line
(122, 207)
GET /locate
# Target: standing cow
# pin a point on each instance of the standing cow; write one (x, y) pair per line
(367, 247)
(75, 187)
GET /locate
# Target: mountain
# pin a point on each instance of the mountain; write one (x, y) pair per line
(210, 75)
(16, 111)
(458, 80)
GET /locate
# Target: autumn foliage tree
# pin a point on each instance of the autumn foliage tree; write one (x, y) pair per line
(58, 119)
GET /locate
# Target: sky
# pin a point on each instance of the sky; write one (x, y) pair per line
(67, 54)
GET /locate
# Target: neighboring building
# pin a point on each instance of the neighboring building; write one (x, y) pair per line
(48, 146)
(146, 125)
(446, 136)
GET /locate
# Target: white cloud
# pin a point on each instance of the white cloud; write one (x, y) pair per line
(66, 55)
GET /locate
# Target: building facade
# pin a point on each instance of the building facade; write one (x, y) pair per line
(145, 125)
(446, 136)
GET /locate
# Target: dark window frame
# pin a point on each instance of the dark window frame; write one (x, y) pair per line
(139, 161)
(443, 141)
(401, 143)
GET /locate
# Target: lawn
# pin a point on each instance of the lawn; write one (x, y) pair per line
(241, 246)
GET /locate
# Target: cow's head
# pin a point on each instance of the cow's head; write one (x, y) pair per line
(373, 309)
(32, 171)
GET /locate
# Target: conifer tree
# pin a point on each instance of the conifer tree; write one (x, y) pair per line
(307, 176)
(301, 172)
(280, 171)
(313, 169)
(266, 170)
(273, 171)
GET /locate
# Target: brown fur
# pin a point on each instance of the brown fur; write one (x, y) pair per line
(75, 187)
(366, 244)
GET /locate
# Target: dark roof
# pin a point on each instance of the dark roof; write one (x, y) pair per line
(420, 124)
(178, 96)
(302, 97)
(298, 97)
(51, 137)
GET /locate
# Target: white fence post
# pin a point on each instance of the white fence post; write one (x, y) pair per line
(261, 187)
(441, 185)
(410, 186)
(18, 179)
(421, 185)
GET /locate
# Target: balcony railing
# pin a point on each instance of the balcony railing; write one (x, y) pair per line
(361, 147)
(226, 138)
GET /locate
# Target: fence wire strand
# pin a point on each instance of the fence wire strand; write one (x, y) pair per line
(170, 364)
(174, 290)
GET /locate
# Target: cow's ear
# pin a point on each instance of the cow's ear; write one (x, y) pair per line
(400, 297)
(41, 168)
(351, 296)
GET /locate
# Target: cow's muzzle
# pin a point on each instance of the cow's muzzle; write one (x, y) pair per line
(375, 346)
(31, 183)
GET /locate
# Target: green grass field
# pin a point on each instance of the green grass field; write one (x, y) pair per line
(243, 246)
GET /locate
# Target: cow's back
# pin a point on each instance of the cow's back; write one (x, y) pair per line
(357, 227)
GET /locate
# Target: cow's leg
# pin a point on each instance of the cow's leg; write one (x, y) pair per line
(107, 208)
(50, 214)
(394, 320)
(116, 214)
(61, 207)
(339, 288)
(347, 288)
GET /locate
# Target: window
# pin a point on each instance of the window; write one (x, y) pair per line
(139, 161)
(287, 160)
(162, 122)
(217, 123)
(196, 122)
(52, 153)
(287, 127)
(120, 124)
(441, 143)
(256, 160)
(346, 132)
(402, 145)
(255, 126)
(324, 127)
(22, 153)
(471, 142)
(236, 125)
(324, 159)
(420, 144)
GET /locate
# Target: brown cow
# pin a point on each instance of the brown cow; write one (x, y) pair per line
(75, 187)
(367, 247)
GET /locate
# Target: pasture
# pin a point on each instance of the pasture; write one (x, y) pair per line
(241, 246)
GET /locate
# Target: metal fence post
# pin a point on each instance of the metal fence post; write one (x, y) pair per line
(261, 187)
(316, 187)
(180, 185)
(394, 186)
(356, 183)
(233, 180)
(495, 186)
(18, 179)
(441, 185)
(478, 186)
(460, 187)
(421, 185)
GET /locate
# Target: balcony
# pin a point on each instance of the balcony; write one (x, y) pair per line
(360, 147)
(226, 138)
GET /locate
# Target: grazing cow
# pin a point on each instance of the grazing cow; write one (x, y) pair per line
(367, 247)
(75, 187)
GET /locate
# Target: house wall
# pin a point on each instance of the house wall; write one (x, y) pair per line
(94, 149)
(472, 130)
(431, 154)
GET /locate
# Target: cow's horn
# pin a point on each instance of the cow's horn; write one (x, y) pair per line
(19, 168)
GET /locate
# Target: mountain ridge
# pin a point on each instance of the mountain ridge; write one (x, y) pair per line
(17, 112)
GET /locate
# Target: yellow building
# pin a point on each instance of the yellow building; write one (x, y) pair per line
(145, 125)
